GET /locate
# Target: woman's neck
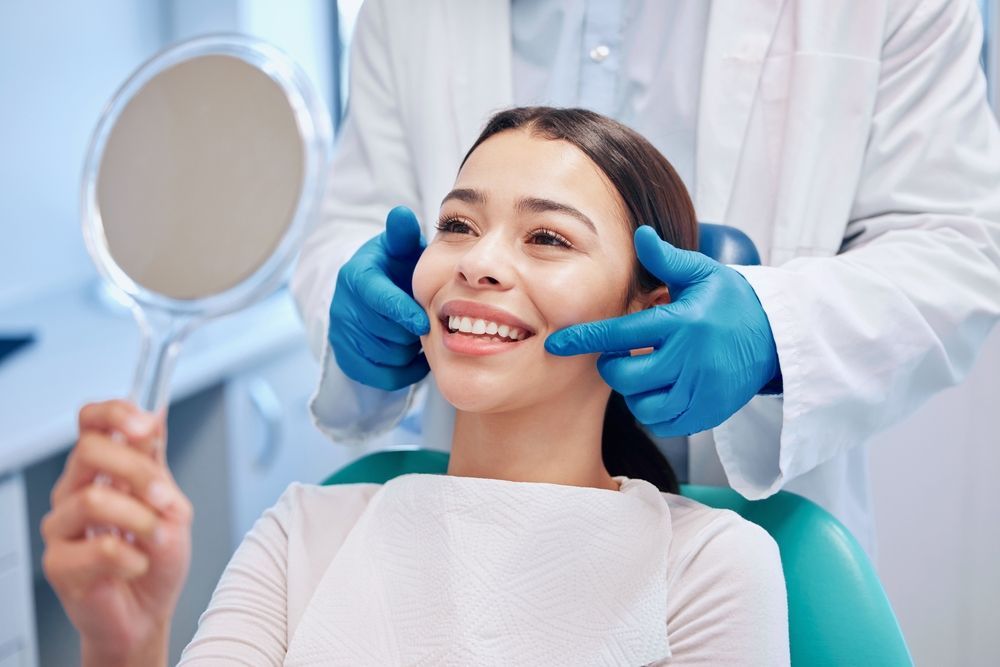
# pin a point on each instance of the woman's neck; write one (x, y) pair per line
(557, 442)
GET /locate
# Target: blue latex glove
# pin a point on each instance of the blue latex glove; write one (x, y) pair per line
(714, 349)
(374, 321)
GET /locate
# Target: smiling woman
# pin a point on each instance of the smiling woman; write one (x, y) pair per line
(554, 539)
(535, 236)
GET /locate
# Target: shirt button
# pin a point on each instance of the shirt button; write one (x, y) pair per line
(599, 53)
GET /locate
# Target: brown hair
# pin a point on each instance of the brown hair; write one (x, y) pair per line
(654, 195)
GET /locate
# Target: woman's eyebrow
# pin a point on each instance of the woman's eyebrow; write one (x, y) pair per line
(468, 195)
(539, 205)
(524, 205)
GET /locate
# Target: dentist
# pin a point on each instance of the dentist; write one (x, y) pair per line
(852, 142)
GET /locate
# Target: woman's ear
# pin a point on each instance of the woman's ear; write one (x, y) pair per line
(657, 297)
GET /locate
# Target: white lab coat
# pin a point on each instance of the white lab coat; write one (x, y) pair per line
(858, 132)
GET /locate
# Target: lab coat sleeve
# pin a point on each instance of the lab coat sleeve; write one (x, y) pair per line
(371, 172)
(866, 336)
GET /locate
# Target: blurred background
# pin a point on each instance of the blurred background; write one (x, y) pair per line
(239, 426)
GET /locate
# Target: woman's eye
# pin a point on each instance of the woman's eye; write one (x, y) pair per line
(454, 226)
(549, 237)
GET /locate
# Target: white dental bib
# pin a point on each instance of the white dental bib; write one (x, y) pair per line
(442, 570)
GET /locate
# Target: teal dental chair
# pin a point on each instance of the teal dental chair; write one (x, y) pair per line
(838, 613)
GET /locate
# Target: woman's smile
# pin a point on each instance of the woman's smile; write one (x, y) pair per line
(474, 328)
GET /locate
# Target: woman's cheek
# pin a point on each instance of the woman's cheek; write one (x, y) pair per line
(575, 296)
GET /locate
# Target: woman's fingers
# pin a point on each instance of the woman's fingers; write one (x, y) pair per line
(143, 430)
(73, 566)
(116, 415)
(101, 505)
(96, 453)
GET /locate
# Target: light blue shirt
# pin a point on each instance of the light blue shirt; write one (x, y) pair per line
(638, 61)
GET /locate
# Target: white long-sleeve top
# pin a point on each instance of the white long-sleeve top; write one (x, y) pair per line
(432, 569)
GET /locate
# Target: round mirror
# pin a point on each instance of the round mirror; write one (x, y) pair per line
(202, 178)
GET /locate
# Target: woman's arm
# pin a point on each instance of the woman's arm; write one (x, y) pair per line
(268, 584)
(246, 621)
(726, 598)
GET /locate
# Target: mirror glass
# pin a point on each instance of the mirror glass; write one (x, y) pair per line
(201, 180)
(200, 177)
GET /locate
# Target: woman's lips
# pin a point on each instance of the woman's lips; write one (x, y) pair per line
(478, 310)
(487, 329)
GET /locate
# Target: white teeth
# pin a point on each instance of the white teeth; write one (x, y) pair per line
(478, 326)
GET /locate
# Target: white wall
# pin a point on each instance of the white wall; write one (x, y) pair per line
(59, 64)
(937, 507)
(302, 29)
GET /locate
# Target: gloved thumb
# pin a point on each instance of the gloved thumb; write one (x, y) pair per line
(673, 266)
(402, 233)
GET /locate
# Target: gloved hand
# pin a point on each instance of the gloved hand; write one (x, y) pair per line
(713, 346)
(374, 322)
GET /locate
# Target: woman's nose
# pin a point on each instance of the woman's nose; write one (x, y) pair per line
(486, 265)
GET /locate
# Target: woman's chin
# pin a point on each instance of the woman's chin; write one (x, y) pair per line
(482, 395)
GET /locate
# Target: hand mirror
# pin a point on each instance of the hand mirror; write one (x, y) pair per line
(201, 180)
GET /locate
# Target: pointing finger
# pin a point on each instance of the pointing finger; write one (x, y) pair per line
(629, 375)
(647, 328)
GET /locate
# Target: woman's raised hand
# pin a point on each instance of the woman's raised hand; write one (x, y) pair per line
(119, 586)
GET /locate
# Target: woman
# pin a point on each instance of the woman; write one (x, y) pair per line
(555, 538)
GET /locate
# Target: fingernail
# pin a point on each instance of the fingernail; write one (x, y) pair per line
(158, 495)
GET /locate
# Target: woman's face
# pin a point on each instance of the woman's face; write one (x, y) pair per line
(532, 238)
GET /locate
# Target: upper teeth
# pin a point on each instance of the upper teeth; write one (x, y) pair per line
(477, 326)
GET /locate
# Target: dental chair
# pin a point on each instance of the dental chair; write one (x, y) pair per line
(838, 613)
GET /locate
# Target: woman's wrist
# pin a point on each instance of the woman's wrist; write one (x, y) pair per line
(153, 652)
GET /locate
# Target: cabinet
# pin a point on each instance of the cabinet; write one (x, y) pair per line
(17, 627)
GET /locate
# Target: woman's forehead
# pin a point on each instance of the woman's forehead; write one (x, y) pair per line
(515, 165)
